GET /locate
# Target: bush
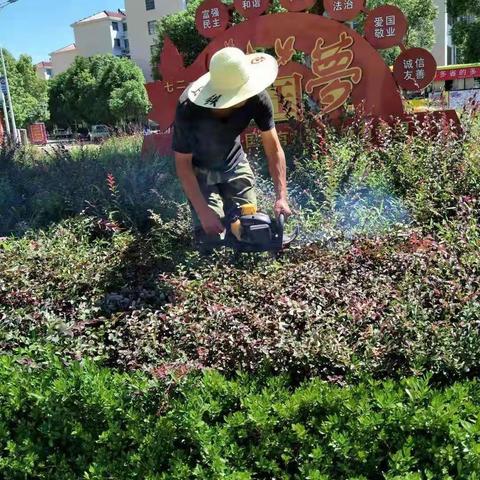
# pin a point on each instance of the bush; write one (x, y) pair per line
(112, 182)
(92, 423)
(396, 304)
(385, 279)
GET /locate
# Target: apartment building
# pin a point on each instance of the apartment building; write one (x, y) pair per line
(44, 70)
(109, 32)
(444, 50)
(62, 58)
(143, 16)
(104, 32)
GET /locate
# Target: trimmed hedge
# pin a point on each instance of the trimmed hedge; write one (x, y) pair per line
(83, 421)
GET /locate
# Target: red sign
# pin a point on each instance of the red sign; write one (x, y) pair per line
(251, 8)
(343, 10)
(345, 71)
(385, 27)
(37, 134)
(454, 73)
(297, 5)
(414, 69)
(212, 18)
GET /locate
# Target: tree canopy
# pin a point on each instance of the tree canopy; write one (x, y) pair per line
(100, 89)
(29, 92)
(466, 29)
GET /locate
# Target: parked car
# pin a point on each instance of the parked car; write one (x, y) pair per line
(98, 133)
(62, 134)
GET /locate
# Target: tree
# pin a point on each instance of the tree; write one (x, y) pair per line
(129, 103)
(180, 28)
(99, 89)
(29, 93)
(466, 29)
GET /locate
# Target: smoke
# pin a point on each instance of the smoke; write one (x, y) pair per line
(358, 211)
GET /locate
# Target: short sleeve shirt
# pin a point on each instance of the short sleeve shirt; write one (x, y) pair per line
(215, 142)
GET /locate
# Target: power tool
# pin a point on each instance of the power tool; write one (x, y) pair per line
(248, 230)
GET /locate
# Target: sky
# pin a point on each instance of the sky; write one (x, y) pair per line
(38, 27)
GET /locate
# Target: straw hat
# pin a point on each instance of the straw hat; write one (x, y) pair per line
(233, 78)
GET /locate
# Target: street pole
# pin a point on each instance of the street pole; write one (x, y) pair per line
(9, 99)
(5, 113)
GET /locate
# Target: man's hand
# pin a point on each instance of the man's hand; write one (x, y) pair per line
(281, 206)
(211, 222)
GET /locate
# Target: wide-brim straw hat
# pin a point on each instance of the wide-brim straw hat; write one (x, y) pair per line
(233, 78)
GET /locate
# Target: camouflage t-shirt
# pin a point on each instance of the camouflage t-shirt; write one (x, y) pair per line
(213, 141)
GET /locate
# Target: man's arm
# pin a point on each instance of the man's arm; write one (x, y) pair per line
(278, 170)
(210, 221)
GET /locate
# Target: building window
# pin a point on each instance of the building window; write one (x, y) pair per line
(115, 26)
(152, 27)
(117, 43)
(49, 72)
(126, 42)
(125, 27)
(150, 4)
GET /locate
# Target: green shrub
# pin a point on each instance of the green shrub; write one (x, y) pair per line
(112, 182)
(394, 304)
(92, 423)
(385, 279)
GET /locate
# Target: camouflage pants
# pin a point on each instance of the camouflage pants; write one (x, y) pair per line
(223, 192)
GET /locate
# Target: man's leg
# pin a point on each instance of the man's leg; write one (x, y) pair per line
(239, 189)
(212, 196)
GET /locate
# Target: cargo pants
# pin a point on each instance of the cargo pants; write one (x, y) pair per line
(222, 192)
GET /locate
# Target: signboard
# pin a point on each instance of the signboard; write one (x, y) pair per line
(212, 18)
(414, 69)
(345, 70)
(343, 10)
(37, 134)
(251, 8)
(457, 73)
(386, 27)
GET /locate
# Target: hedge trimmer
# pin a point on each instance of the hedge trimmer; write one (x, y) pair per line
(247, 230)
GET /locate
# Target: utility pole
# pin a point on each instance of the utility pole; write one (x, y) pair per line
(9, 99)
(4, 3)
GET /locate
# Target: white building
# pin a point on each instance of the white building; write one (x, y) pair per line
(143, 16)
(109, 32)
(44, 70)
(61, 59)
(104, 32)
(444, 50)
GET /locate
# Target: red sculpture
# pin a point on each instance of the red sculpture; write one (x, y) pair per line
(345, 67)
